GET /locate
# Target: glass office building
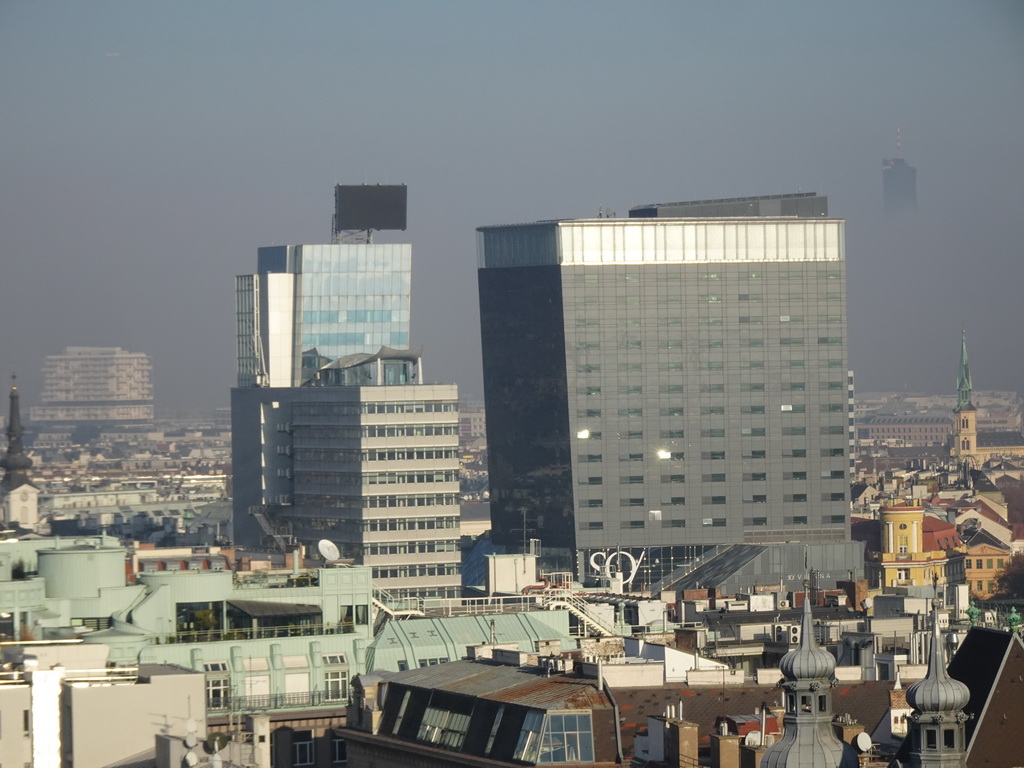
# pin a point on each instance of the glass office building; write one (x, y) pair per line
(310, 304)
(658, 386)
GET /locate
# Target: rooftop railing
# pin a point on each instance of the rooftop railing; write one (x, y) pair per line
(259, 633)
(261, 703)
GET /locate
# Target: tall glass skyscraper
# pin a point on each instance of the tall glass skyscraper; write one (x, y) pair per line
(334, 434)
(310, 304)
(669, 382)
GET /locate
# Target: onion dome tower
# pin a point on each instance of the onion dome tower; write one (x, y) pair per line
(808, 740)
(15, 464)
(937, 730)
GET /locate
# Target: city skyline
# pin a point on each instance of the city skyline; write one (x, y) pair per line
(150, 150)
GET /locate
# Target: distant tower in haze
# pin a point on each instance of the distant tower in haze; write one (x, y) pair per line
(19, 498)
(899, 184)
(96, 385)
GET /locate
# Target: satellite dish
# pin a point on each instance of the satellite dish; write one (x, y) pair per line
(328, 550)
(752, 739)
(215, 742)
(862, 742)
(191, 759)
(191, 740)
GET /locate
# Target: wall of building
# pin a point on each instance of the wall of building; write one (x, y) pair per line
(105, 723)
(701, 367)
(15, 724)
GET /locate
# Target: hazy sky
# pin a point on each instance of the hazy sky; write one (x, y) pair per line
(147, 149)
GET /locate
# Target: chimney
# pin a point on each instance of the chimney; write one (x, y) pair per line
(725, 751)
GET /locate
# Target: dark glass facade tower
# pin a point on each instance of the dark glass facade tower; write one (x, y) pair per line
(656, 386)
(899, 187)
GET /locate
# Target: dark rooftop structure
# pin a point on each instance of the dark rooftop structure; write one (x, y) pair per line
(801, 204)
(463, 712)
(991, 664)
(866, 703)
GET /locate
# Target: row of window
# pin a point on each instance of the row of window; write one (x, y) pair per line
(412, 500)
(335, 688)
(750, 386)
(410, 524)
(416, 571)
(1000, 563)
(720, 477)
(351, 455)
(348, 316)
(411, 547)
(401, 478)
(339, 501)
(798, 453)
(661, 275)
(321, 410)
(387, 524)
(625, 299)
(413, 406)
(711, 522)
(785, 341)
(304, 749)
(355, 480)
(680, 501)
(409, 430)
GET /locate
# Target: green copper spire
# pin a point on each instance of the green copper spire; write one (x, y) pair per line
(964, 387)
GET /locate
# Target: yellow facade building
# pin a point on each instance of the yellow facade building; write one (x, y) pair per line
(916, 549)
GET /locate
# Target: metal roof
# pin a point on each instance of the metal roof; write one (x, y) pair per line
(431, 638)
(525, 686)
(715, 571)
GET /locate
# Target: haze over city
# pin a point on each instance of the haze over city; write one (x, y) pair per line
(150, 149)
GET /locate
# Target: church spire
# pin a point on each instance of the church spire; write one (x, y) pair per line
(964, 387)
(808, 740)
(937, 730)
(16, 463)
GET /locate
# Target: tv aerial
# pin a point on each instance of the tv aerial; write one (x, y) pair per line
(215, 742)
(328, 550)
(191, 759)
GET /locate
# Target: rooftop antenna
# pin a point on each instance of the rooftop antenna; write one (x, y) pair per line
(899, 144)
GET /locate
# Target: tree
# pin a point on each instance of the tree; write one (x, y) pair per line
(1010, 581)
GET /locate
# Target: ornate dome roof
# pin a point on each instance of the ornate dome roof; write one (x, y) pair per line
(808, 661)
(938, 692)
(811, 749)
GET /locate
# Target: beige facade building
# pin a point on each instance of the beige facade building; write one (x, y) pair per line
(367, 458)
(61, 705)
(96, 385)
